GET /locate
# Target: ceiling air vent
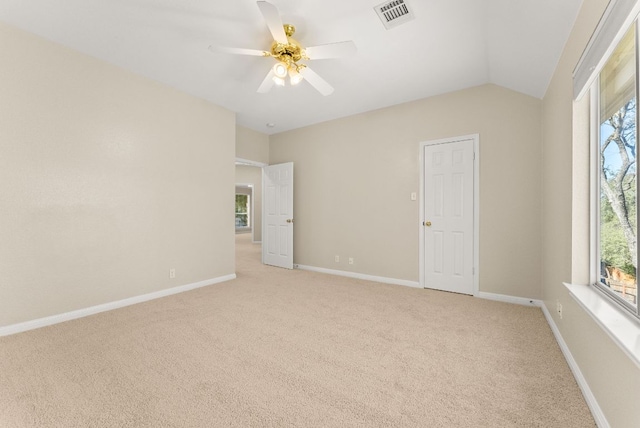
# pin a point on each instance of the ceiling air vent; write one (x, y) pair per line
(393, 13)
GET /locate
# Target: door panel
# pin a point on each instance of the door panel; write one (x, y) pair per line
(448, 223)
(277, 245)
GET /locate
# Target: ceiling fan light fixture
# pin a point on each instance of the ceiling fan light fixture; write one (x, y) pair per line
(280, 70)
(278, 80)
(295, 77)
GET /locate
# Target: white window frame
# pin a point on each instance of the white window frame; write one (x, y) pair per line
(595, 255)
(595, 180)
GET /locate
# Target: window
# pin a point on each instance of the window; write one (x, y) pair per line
(614, 97)
(242, 211)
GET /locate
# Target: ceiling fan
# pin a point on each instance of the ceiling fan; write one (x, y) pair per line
(288, 54)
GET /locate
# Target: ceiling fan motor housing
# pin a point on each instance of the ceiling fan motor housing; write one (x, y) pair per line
(288, 53)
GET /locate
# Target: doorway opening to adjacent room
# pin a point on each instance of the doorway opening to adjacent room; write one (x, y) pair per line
(264, 206)
(249, 182)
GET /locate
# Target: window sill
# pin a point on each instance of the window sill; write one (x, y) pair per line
(619, 325)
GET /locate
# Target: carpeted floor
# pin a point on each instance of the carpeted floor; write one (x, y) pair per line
(278, 348)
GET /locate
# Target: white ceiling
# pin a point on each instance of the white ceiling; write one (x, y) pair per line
(450, 45)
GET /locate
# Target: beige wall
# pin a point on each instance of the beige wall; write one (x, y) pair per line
(612, 377)
(107, 180)
(252, 145)
(354, 177)
(253, 175)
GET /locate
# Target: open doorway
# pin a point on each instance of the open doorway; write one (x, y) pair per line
(249, 182)
(278, 204)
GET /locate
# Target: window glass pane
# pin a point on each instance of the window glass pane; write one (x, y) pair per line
(242, 202)
(242, 220)
(242, 210)
(618, 219)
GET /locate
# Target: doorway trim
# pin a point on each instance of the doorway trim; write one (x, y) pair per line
(247, 162)
(476, 207)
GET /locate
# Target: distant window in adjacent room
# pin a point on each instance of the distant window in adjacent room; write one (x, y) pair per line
(242, 212)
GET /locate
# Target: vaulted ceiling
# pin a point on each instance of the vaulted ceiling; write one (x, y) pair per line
(450, 45)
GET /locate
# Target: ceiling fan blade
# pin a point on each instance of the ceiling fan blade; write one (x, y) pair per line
(331, 50)
(267, 83)
(238, 51)
(316, 81)
(274, 22)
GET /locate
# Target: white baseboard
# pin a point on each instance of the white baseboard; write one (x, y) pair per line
(356, 275)
(55, 319)
(596, 411)
(509, 299)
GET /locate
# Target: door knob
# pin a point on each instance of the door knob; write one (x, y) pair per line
(289, 220)
(427, 223)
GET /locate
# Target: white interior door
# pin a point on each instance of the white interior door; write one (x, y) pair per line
(449, 216)
(277, 217)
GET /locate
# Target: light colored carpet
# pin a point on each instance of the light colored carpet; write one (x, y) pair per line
(279, 348)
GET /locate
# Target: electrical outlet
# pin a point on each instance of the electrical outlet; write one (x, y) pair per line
(559, 308)
(337, 259)
(350, 260)
(172, 273)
